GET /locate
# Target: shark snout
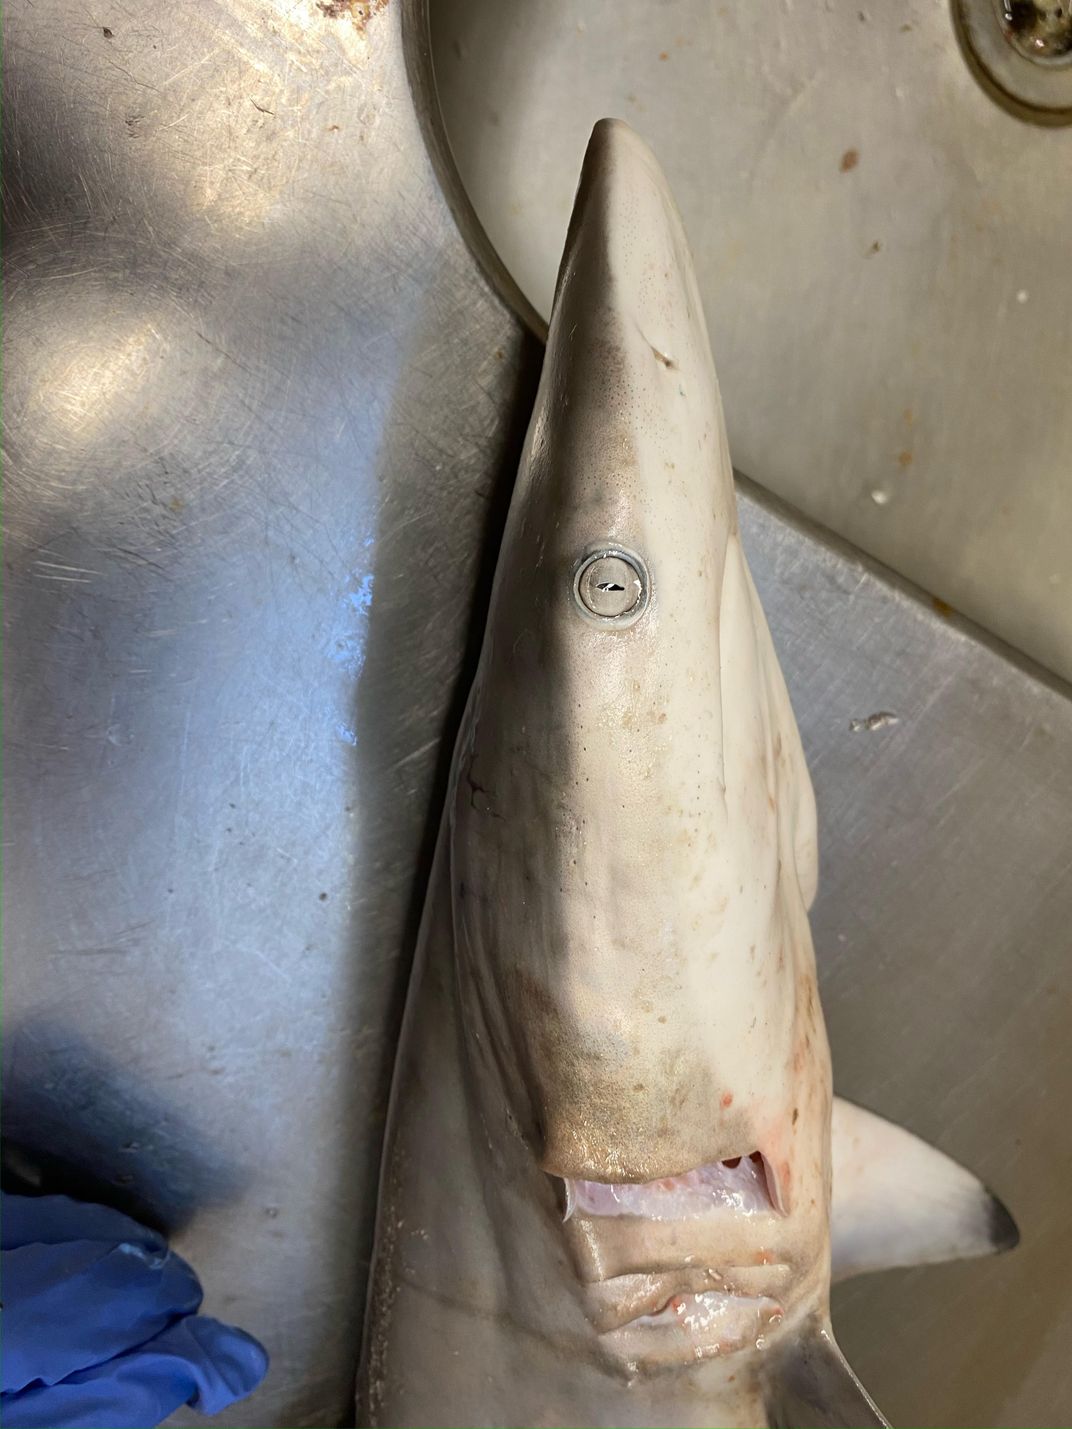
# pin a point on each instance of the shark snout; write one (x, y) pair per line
(632, 813)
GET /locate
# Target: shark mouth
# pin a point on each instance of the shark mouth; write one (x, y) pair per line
(746, 1185)
(691, 1327)
(729, 1318)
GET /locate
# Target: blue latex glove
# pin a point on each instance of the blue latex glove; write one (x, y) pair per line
(100, 1324)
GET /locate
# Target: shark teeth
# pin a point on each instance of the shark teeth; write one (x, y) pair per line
(744, 1184)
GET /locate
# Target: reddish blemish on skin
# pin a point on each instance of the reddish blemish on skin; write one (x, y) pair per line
(765, 1257)
(727, 1099)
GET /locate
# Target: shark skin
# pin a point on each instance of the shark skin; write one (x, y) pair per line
(606, 1194)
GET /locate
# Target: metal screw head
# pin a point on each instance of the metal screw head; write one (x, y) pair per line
(610, 585)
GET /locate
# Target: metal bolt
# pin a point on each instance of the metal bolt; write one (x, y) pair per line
(611, 586)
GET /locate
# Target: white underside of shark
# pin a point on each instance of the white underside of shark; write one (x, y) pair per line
(616, 1185)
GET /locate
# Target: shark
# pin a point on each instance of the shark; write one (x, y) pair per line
(616, 1185)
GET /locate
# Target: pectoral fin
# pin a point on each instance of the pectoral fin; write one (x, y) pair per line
(898, 1201)
(809, 1385)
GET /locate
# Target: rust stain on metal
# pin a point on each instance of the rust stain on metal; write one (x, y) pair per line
(359, 11)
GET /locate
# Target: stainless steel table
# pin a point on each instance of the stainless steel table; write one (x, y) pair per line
(261, 414)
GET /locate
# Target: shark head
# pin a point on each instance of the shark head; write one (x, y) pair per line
(616, 1185)
(633, 833)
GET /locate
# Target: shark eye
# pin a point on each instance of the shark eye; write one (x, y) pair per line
(611, 586)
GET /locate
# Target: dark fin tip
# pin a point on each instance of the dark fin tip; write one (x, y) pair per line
(1004, 1232)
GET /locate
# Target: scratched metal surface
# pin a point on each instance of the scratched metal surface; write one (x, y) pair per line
(882, 251)
(257, 397)
(258, 401)
(942, 930)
